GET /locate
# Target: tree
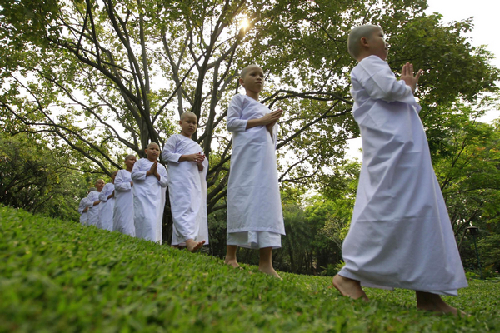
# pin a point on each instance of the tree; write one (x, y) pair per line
(37, 179)
(467, 164)
(102, 77)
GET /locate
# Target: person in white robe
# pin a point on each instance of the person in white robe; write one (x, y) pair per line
(400, 235)
(93, 204)
(150, 182)
(187, 186)
(83, 208)
(123, 211)
(254, 213)
(107, 198)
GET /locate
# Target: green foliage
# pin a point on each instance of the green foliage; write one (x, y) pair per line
(61, 277)
(105, 77)
(332, 270)
(467, 165)
(39, 179)
(336, 203)
(489, 249)
(298, 251)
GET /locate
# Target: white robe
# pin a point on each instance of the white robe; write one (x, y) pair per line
(400, 234)
(187, 188)
(83, 215)
(253, 196)
(93, 211)
(107, 206)
(123, 212)
(149, 200)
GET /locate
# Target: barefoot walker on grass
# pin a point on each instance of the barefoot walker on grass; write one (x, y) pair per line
(150, 182)
(94, 204)
(83, 208)
(187, 186)
(254, 216)
(123, 213)
(107, 197)
(400, 234)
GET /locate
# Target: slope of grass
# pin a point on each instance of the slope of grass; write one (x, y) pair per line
(58, 276)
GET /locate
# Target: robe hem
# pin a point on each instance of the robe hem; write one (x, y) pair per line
(416, 287)
(281, 232)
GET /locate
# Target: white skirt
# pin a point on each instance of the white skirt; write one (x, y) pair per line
(254, 239)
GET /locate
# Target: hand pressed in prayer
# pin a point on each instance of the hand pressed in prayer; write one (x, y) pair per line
(272, 117)
(153, 169)
(407, 76)
(278, 114)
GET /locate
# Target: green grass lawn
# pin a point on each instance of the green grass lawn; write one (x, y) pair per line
(58, 276)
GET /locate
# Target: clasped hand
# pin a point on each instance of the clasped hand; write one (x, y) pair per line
(197, 158)
(153, 171)
(272, 117)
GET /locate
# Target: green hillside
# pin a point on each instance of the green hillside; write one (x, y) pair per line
(58, 276)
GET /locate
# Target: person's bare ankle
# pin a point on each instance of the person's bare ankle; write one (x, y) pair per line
(427, 301)
(349, 287)
(232, 262)
(193, 246)
(269, 270)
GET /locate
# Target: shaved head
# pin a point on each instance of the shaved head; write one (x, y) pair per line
(354, 38)
(188, 114)
(114, 173)
(247, 69)
(153, 144)
(129, 157)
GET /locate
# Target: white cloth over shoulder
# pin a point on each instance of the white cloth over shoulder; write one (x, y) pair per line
(187, 188)
(149, 200)
(107, 206)
(400, 234)
(83, 215)
(253, 197)
(93, 211)
(123, 211)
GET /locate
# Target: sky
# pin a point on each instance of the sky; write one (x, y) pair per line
(485, 32)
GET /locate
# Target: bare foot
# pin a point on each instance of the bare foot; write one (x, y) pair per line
(269, 271)
(233, 263)
(193, 246)
(349, 287)
(431, 302)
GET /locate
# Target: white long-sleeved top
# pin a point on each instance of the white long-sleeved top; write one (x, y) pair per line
(187, 188)
(149, 200)
(107, 206)
(81, 208)
(123, 212)
(253, 199)
(93, 212)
